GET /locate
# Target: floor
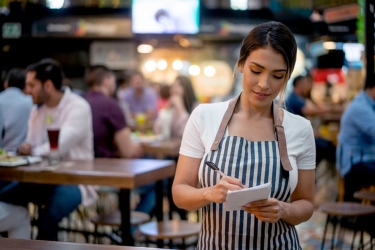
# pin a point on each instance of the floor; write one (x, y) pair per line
(310, 233)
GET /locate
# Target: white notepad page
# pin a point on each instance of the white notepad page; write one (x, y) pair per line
(238, 198)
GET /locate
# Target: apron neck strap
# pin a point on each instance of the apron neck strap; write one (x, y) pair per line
(224, 123)
(278, 116)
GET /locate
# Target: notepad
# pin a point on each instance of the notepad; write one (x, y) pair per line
(238, 198)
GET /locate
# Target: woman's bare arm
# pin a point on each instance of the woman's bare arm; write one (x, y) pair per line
(185, 193)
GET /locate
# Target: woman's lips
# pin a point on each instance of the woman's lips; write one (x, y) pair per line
(261, 95)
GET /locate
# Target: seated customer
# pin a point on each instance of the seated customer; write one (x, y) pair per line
(72, 113)
(111, 134)
(299, 102)
(16, 108)
(356, 148)
(180, 104)
(141, 98)
(14, 220)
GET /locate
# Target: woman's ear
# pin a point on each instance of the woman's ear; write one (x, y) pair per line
(240, 68)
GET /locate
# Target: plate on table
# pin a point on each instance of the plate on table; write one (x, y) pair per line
(14, 161)
(146, 138)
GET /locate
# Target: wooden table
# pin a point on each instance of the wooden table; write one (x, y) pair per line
(122, 173)
(17, 244)
(162, 149)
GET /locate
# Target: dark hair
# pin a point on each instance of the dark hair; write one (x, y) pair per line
(278, 37)
(48, 69)
(189, 94)
(122, 78)
(96, 75)
(16, 78)
(297, 79)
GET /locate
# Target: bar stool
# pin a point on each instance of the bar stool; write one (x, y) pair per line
(169, 230)
(337, 210)
(113, 219)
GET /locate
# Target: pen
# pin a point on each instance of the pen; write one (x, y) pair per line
(214, 167)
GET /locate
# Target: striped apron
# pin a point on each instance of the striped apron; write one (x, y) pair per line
(254, 163)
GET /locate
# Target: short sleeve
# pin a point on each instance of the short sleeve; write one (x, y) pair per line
(306, 160)
(116, 117)
(191, 144)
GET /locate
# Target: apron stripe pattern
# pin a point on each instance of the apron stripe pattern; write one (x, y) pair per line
(256, 163)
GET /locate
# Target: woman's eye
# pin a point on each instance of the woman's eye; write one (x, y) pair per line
(255, 72)
(278, 77)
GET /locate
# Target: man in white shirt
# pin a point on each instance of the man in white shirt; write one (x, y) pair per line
(72, 114)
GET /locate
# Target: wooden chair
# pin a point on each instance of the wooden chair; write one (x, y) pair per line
(170, 230)
(337, 210)
(113, 219)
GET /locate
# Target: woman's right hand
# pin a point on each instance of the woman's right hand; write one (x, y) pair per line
(218, 193)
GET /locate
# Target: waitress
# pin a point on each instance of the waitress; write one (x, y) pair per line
(252, 141)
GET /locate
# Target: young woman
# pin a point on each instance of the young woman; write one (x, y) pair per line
(253, 142)
(181, 103)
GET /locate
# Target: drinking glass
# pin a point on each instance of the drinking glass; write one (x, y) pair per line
(53, 131)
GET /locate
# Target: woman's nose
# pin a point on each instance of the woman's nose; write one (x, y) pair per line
(263, 82)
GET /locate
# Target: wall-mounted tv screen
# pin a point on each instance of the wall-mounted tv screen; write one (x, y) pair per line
(165, 16)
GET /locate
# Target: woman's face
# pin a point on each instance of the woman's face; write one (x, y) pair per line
(263, 76)
(177, 89)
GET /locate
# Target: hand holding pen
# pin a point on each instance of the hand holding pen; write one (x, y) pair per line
(218, 193)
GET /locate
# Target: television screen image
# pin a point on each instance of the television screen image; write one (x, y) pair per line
(165, 16)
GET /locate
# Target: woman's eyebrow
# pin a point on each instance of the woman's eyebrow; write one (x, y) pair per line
(260, 66)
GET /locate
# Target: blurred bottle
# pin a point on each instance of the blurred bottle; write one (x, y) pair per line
(165, 116)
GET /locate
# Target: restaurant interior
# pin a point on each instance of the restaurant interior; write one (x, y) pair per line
(162, 40)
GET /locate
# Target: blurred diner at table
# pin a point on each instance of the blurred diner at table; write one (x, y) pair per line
(141, 99)
(111, 132)
(301, 103)
(173, 117)
(16, 108)
(71, 113)
(356, 143)
(112, 135)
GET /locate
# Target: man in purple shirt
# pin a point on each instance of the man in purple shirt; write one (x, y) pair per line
(111, 133)
(141, 98)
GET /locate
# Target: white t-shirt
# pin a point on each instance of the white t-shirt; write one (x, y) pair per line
(204, 122)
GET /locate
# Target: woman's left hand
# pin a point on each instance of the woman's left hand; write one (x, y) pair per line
(269, 210)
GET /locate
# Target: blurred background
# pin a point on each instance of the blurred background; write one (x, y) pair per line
(199, 39)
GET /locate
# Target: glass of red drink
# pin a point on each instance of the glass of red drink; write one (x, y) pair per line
(53, 137)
